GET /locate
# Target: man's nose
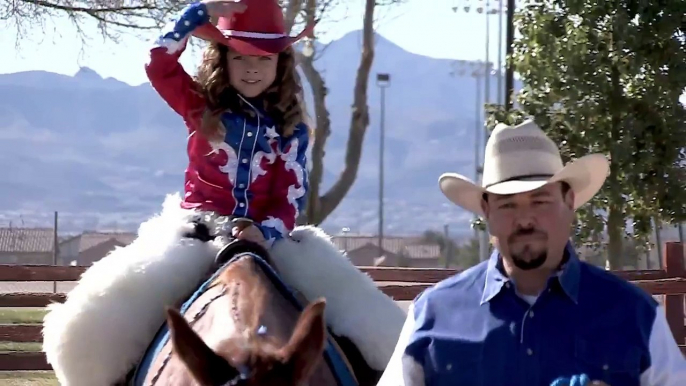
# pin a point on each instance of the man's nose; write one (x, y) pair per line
(524, 220)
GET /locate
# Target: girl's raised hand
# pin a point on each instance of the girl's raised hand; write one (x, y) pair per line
(225, 8)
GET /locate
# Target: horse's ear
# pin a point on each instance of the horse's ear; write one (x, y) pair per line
(305, 347)
(206, 367)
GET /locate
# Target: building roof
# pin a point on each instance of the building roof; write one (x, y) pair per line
(390, 243)
(423, 251)
(97, 252)
(89, 239)
(412, 247)
(26, 240)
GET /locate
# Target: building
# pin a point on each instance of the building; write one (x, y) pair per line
(26, 245)
(396, 251)
(89, 247)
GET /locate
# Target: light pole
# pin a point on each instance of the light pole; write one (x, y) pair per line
(383, 81)
(345, 231)
(500, 11)
(509, 72)
(477, 70)
(489, 9)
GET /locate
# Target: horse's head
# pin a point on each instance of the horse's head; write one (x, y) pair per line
(254, 361)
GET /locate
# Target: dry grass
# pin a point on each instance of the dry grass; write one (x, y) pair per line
(20, 346)
(28, 378)
(21, 315)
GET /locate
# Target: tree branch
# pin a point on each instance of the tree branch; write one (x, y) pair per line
(88, 10)
(358, 121)
(111, 16)
(291, 12)
(321, 134)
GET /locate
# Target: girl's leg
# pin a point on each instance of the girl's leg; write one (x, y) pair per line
(356, 308)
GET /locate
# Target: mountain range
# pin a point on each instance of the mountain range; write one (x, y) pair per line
(104, 153)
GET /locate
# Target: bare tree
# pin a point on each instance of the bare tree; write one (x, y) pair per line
(319, 205)
(111, 16)
(114, 16)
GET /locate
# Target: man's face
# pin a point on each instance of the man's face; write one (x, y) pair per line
(531, 229)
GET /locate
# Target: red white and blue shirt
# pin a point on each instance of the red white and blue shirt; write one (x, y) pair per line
(255, 172)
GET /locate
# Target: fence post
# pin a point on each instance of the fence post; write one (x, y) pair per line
(673, 261)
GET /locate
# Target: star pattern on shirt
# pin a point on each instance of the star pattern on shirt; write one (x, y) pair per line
(176, 33)
(271, 133)
(192, 17)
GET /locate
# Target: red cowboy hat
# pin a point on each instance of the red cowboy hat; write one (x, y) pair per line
(259, 30)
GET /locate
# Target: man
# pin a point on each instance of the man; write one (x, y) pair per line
(533, 314)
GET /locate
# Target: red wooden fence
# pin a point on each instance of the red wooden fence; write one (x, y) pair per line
(399, 283)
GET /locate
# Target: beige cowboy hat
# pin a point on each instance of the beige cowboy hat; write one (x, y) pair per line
(520, 159)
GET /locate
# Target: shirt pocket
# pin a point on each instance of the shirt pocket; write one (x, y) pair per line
(612, 359)
(450, 363)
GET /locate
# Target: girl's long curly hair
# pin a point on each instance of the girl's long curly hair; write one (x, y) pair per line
(282, 101)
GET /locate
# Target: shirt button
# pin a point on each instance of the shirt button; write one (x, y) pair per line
(606, 367)
(507, 285)
(531, 314)
(529, 352)
(249, 133)
(241, 186)
(244, 160)
(241, 204)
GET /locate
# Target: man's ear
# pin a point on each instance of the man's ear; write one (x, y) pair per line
(484, 205)
(569, 199)
(204, 365)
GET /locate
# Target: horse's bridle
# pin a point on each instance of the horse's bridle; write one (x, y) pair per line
(202, 231)
(244, 373)
(206, 228)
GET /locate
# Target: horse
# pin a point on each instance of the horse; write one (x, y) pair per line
(244, 326)
(119, 302)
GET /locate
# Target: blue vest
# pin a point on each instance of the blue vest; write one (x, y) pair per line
(473, 329)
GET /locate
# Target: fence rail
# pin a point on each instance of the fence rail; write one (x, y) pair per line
(399, 283)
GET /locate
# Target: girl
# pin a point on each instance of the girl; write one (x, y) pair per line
(246, 151)
(247, 140)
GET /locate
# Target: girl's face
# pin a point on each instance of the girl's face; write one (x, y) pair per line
(251, 75)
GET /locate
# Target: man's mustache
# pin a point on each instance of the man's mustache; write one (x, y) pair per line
(527, 232)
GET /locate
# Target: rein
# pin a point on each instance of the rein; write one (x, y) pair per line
(195, 318)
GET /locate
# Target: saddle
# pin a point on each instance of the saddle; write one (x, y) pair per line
(234, 249)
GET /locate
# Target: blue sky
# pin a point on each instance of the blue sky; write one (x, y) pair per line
(434, 31)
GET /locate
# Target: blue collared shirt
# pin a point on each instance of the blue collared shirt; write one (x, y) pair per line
(474, 329)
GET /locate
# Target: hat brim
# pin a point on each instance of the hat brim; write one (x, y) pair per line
(248, 45)
(585, 177)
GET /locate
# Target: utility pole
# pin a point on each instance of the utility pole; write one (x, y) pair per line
(383, 81)
(509, 72)
(500, 51)
(55, 251)
(448, 246)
